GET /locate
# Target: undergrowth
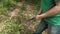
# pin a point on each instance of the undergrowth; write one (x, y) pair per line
(12, 26)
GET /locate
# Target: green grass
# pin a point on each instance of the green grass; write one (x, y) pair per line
(11, 26)
(7, 4)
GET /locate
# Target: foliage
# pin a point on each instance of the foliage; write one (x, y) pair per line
(6, 4)
(23, 7)
(14, 26)
(11, 27)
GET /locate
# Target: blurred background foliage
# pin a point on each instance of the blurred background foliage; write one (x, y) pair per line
(14, 24)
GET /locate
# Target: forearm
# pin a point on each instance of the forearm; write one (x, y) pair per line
(51, 12)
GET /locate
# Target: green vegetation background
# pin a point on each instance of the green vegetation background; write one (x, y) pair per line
(14, 26)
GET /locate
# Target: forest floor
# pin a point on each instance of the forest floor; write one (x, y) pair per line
(1, 26)
(14, 12)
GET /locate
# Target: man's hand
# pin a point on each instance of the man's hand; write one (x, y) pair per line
(39, 17)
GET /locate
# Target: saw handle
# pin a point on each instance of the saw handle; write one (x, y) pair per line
(33, 18)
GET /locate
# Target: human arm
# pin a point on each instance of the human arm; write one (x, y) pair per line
(51, 12)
